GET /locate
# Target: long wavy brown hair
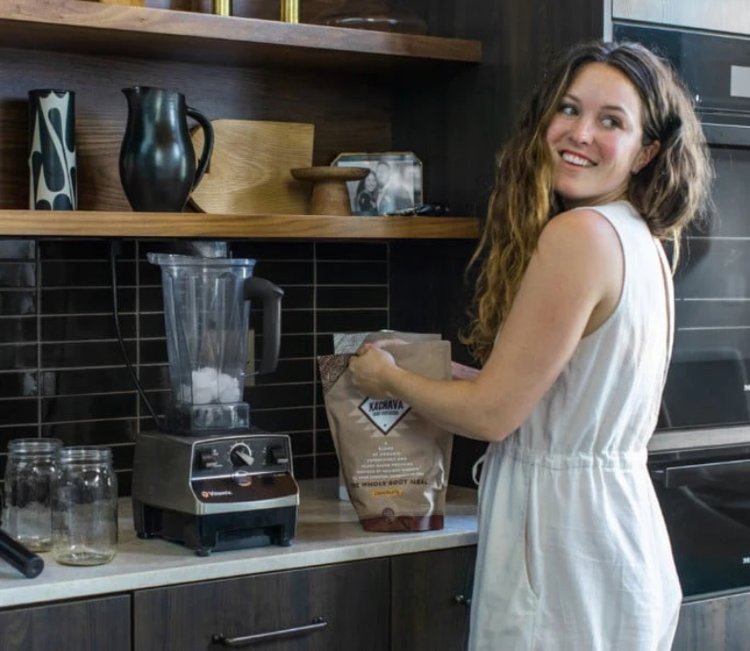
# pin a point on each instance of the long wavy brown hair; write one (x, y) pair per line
(669, 192)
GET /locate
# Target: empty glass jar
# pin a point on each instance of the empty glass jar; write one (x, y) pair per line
(27, 507)
(84, 509)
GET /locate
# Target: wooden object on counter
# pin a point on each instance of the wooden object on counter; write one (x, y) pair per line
(329, 193)
(249, 168)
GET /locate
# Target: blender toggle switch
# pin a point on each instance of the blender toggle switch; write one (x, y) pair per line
(207, 459)
(276, 454)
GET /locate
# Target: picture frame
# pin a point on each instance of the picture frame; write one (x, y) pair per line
(394, 182)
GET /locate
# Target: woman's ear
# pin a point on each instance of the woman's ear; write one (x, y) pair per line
(645, 156)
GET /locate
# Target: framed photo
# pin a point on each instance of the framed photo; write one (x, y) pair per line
(394, 182)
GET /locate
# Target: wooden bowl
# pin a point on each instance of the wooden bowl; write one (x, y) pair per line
(329, 194)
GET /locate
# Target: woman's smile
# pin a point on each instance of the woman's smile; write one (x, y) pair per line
(577, 160)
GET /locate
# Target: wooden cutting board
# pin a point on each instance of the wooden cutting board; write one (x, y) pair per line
(249, 168)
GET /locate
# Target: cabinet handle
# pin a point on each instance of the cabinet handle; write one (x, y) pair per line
(462, 600)
(318, 624)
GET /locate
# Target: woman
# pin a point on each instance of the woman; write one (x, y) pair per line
(573, 327)
(366, 197)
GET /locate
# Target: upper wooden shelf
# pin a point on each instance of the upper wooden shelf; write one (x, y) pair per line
(96, 28)
(82, 224)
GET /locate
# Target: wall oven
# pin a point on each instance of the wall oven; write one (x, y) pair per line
(700, 455)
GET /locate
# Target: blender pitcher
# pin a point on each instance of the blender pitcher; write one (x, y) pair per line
(206, 315)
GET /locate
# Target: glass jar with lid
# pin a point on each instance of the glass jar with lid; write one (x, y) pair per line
(84, 509)
(27, 504)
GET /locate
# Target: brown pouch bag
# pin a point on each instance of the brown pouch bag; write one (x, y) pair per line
(395, 463)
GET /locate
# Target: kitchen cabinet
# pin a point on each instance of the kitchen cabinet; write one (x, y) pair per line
(341, 606)
(406, 603)
(87, 625)
(718, 624)
(430, 600)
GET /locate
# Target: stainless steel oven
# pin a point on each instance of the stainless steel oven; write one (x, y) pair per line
(700, 455)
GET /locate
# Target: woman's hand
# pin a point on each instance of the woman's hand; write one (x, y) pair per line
(369, 369)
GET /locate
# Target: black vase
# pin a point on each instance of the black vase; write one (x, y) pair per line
(157, 162)
(52, 150)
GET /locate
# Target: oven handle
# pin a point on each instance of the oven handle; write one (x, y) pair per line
(703, 473)
(733, 135)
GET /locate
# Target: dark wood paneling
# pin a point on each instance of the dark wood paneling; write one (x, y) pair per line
(429, 607)
(459, 125)
(353, 598)
(90, 625)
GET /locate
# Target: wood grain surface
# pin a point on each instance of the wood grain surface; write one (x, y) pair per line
(145, 31)
(250, 167)
(260, 227)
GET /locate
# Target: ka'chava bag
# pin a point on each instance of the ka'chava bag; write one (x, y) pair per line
(395, 463)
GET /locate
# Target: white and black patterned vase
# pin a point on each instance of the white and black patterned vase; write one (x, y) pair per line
(52, 150)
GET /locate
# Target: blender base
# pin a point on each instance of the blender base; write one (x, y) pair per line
(219, 531)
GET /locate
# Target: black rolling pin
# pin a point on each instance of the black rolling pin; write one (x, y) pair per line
(15, 554)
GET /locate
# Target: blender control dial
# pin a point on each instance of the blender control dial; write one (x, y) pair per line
(241, 455)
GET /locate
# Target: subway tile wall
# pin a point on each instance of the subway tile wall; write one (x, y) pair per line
(61, 368)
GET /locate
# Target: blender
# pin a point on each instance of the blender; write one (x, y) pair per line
(207, 478)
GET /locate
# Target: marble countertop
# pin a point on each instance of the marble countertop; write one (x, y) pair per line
(327, 532)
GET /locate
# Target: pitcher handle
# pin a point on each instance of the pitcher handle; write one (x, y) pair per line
(271, 296)
(208, 143)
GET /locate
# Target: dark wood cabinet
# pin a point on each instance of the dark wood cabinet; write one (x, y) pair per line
(430, 600)
(410, 602)
(88, 625)
(406, 603)
(336, 607)
(717, 624)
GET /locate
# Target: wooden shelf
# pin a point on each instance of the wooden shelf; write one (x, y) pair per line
(96, 28)
(84, 224)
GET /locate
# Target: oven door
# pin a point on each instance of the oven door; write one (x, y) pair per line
(708, 385)
(706, 505)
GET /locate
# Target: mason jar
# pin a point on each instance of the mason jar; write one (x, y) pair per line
(84, 508)
(27, 507)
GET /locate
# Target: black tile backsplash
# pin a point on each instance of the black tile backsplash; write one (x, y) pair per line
(18, 330)
(18, 302)
(17, 274)
(62, 372)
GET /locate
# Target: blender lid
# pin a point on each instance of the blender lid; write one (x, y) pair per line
(177, 260)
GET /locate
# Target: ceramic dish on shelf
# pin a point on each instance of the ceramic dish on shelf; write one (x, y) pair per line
(329, 193)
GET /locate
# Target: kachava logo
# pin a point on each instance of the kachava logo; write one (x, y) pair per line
(384, 413)
(207, 494)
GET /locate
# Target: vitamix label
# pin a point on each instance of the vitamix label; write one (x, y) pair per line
(385, 413)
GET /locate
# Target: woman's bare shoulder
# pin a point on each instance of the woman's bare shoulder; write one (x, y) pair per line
(580, 232)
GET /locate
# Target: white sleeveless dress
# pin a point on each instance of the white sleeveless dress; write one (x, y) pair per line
(573, 551)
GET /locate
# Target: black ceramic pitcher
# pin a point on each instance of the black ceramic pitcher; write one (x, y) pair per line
(157, 162)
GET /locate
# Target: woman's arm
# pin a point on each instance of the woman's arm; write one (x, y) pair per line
(573, 281)
(462, 372)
